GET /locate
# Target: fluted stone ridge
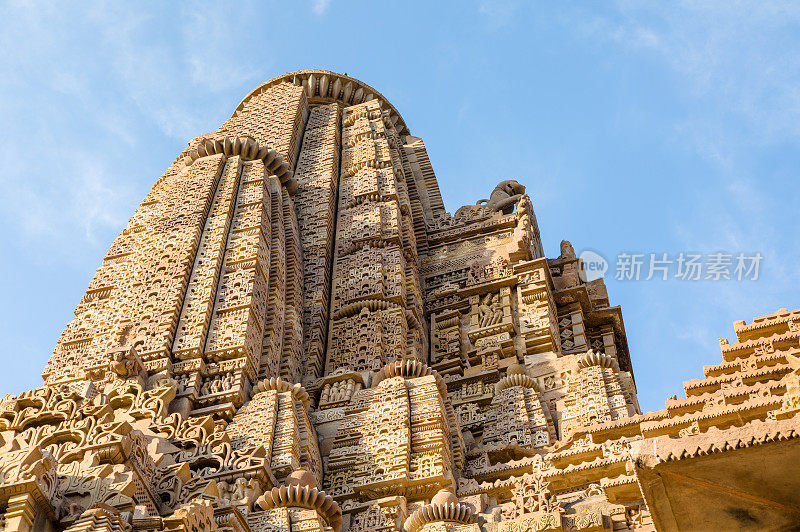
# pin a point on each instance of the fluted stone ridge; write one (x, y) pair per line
(299, 496)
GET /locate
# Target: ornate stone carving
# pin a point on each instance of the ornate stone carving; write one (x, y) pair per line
(444, 507)
(504, 196)
(291, 308)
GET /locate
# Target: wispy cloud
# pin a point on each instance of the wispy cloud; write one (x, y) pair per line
(142, 86)
(148, 72)
(319, 7)
(739, 53)
(733, 67)
(81, 197)
(497, 13)
(737, 65)
(212, 46)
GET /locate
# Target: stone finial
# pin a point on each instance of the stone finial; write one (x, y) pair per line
(443, 507)
(410, 369)
(567, 251)
(100, 517)
(303, 496)
(515, 369)
(280, 385)
(444, 497)
(593, 358)
(515, 376)
(301, 477)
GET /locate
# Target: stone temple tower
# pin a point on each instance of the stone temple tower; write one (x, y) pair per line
(291, 333)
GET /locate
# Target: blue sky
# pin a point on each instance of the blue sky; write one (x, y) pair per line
(639, 127)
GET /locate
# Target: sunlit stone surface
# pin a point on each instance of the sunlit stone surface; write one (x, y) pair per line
(292, 334)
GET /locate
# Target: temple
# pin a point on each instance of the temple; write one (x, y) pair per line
(292, 334)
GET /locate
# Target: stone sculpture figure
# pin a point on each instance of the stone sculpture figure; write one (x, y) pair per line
(504, 196)
(489, 310)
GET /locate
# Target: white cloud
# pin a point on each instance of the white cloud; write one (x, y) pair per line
(733, 68)
(319, 7)
(213, 48)
(740, 54)
(498, 13)
(92, 86)
(150, 74)
(737, 66)
(74, 198)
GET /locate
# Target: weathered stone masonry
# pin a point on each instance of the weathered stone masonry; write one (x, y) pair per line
(292, 334)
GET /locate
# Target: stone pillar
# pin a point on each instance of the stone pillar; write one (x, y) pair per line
(21, 513)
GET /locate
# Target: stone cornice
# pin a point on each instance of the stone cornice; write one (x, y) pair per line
(248, 149)
(653, 451)
(409, 369)
(279, 385)
(304, 497)
(330, 86)
(594, 358)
